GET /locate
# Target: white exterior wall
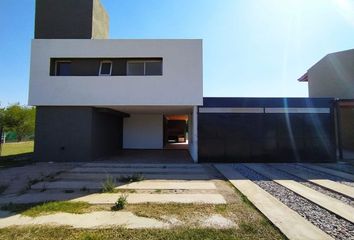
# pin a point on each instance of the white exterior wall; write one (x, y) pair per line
(143, 131)
(180, 84)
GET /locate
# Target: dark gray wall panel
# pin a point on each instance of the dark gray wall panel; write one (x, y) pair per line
(64, 19)
(63, 134)
(76, 134)
(107, 134)
(266, 137)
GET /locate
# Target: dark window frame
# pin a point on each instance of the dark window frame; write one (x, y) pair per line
(119, 66)
(144, 61)
(56, 67)
(110, 70)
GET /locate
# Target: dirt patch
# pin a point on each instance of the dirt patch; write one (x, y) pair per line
(217, 221)
(19, 179)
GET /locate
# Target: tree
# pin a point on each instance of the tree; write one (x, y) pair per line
(19, 119)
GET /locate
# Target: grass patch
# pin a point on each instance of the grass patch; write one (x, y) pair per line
(124, 190)
(17, 148)
(32, 210)
(238, 212)
(49, 233)
(251, 224)
(109, 185)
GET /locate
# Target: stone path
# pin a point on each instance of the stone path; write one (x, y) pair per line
(146, 184)
(329, 171)
(111, 198)
(102, 219)
(321, 196)
(329, 184)
(287, 220)
(84, 182)
(153, 176)
(318, 198)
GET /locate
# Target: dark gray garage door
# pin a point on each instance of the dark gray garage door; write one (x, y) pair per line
(266, 130)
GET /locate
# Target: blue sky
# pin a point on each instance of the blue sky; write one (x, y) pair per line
(252, 48)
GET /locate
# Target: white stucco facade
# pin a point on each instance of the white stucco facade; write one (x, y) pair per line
(143, 131)
(180, 84)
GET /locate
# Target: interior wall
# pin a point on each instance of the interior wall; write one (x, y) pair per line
(143, 131)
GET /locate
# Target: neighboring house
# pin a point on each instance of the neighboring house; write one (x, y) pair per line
(333, 76)
(96, 97)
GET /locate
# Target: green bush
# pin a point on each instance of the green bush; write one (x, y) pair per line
(120, 203)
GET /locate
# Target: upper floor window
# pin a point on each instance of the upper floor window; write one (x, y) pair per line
(144, 68)
(105, 68)
(62, 68)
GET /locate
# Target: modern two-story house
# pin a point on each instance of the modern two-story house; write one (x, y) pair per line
(96, 97)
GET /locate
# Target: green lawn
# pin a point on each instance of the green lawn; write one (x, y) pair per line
(49, 233)
(35, 210)
(17, 148)
(251, 224)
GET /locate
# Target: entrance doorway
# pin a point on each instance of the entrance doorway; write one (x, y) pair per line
(175, 131)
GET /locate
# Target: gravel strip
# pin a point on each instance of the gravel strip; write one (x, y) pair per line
(328, 222)
(328, 192)
(327, 176)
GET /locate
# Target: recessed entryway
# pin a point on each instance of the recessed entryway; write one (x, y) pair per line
(175, 128)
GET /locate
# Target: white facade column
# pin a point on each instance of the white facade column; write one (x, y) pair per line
(193, 134)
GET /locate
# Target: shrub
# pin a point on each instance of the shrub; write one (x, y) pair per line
(120, 203)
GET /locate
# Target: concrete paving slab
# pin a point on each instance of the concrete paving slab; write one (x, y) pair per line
(40, 197)
(136, 170)
(168, 185)
(288, 221)
(165, 176)
(146, 184)
(331, 204)
(101, 219)
(111, 198)
(67, 185)
(328, 171)
(308, 176)
(153, 165)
